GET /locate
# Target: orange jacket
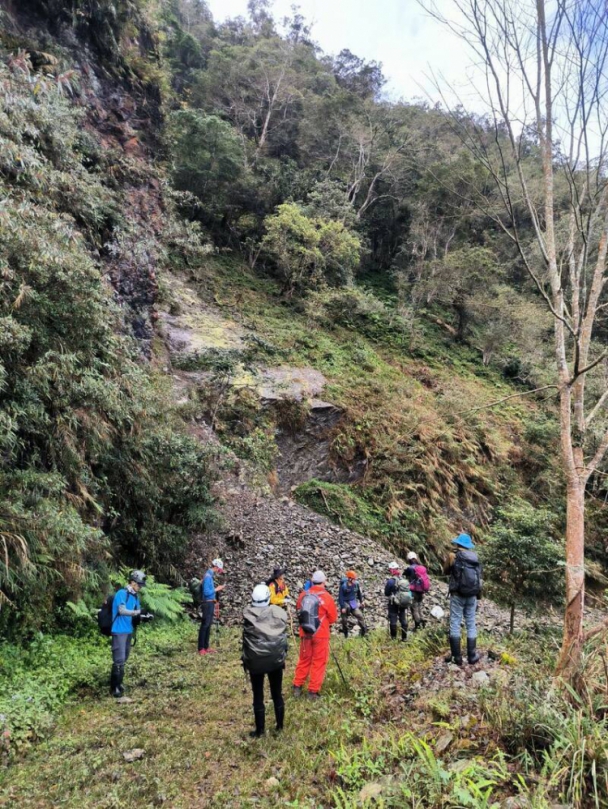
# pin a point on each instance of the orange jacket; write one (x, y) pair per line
(328, 612)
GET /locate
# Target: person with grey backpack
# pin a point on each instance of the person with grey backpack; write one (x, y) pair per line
(465, 587)
(397, 590)
(264, 653)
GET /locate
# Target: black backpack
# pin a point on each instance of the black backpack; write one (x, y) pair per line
(309, 614)
(466, 575)
(104, 616)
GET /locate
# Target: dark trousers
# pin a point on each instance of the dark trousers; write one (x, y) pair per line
(397, 613)
(208, 608)
(275, 680)
(121, 648)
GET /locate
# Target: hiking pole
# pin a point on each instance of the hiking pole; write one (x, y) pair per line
(339, 667)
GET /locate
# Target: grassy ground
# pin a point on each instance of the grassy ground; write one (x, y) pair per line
(401, 734)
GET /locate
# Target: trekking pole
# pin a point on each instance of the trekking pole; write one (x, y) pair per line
(339, 667)
(293, 633)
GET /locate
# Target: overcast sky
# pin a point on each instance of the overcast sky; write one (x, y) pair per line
(397, 33)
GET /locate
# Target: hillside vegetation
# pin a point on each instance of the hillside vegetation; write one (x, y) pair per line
(138, 147)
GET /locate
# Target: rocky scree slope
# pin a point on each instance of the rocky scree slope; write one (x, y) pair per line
(263, 528)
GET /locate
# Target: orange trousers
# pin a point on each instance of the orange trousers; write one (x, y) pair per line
(314, 654)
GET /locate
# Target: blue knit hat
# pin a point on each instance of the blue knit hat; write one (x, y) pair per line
(464, 541)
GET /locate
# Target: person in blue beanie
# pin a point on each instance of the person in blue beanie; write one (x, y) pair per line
(464, 569)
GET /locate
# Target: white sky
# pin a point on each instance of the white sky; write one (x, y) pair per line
(397, 33)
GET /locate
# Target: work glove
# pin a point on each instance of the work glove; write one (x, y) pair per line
(146, 616)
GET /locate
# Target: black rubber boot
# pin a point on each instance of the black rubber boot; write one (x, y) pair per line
(417, 625)
(279, 713)
(116, 676)
(260, 723)
(393, 631)
(472, 655)
(455, 653)
(345, 631)
(403, 634)
(363, 631)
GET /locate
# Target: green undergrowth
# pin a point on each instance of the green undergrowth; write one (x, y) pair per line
(398, 733)
(416, 419)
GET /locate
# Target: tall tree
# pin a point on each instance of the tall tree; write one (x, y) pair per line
(545, 82)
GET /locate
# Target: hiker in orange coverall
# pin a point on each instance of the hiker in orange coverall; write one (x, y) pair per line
(314, 648)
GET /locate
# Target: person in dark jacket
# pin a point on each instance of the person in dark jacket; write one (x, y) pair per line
(465, 585)
(351, 601)
(395, 612)
(264, 652)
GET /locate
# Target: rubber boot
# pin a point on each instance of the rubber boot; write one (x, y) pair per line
(393, 629)
(345, 631)
(417, 625)
(455, 653)
(279, 713)
(259, 715)
(116, 676)
(472, 655)
(403, 634)
(363, 631)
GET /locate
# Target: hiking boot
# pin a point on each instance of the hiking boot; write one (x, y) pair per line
(212, 651)
(404, 634)
(279, 714)
(455, 653)
(203, 651)
(345, 632)
(472, 655)
(417, 625)
(297, 691)
(363, 631)
(116, 676)
(259, 715)
(314, 695)
(393, 632)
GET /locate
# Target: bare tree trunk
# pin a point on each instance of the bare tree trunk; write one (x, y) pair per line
(572, 643)
(512, 619)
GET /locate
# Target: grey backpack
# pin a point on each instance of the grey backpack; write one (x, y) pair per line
(264, 639)
(403, 595)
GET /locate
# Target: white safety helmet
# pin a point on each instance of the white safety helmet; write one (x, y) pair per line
(260, 596)
(218, 563)
(411, 555)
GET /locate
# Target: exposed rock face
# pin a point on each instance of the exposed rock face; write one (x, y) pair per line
(306, 453)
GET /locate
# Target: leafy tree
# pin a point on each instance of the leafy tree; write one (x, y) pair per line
(207, 158)
(310, 252)
(523, 561)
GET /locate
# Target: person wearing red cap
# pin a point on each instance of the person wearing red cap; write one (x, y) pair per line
(317, 611)
(350, 599)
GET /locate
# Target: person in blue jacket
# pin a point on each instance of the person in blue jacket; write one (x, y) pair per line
(209, 591)
(351, 602)
(125, 607)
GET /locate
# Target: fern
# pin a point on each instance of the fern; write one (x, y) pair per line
(165, 602)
